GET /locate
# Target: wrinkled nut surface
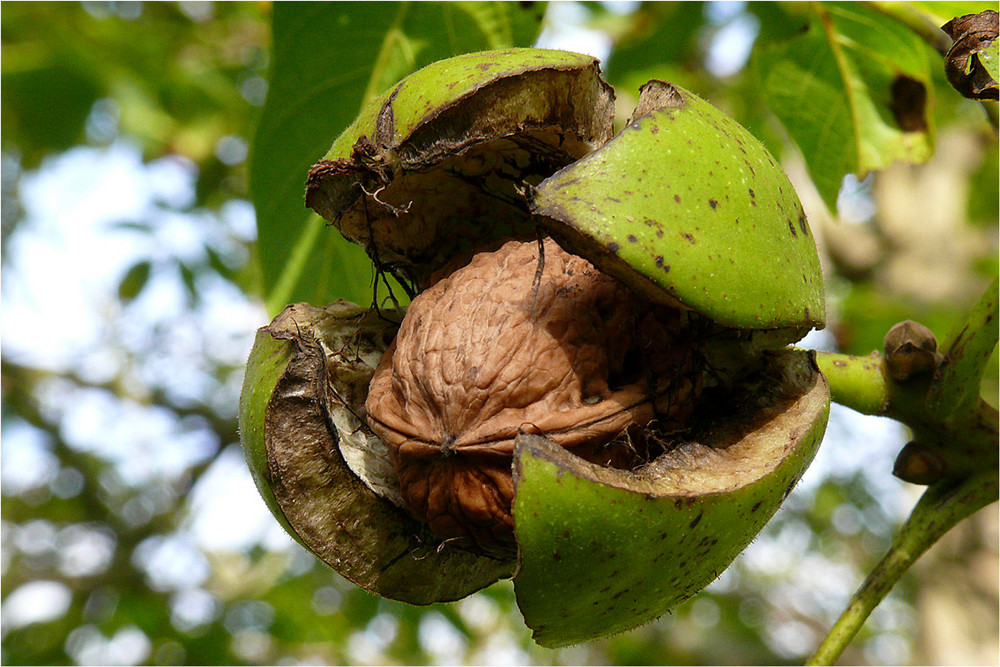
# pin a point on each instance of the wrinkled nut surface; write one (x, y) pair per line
(512, 343)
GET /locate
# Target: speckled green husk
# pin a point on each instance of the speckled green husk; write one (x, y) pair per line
(687, 206)
(602, 550)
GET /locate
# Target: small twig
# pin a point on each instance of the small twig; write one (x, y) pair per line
(858, 382)
(938, 510)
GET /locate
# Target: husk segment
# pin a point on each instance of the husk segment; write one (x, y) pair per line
(685, 206)
(435, 166)
(603, 550)
(291, 444)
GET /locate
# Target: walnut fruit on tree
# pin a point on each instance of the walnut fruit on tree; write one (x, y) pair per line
(591, 391)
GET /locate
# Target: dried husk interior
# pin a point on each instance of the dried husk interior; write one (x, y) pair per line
(360, 534)
(424, 175)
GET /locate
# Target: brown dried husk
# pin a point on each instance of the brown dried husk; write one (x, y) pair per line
(335, 514)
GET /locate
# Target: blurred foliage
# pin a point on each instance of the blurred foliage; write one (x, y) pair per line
(189, 81)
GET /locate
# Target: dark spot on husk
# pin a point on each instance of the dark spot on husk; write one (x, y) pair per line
(566, 184)
(613, 248)
(697, 519)
(791, 228)
(802, 224)
(713, 203)
(688, 236)
(677, 198)
(632, 239)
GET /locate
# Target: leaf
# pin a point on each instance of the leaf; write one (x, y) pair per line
(940, 12)
(988, 58)
(45, 107)
(661, 36)
(328, 59)
(975, 37)
(853, 92)
(133, 281)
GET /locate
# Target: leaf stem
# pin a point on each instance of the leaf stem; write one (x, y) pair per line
(938, 510)
(917, 21)
(967, 349)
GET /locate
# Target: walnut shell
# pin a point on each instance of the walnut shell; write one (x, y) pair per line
(508, 344)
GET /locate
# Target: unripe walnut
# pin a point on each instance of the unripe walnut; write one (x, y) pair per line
(513, 342)
(685, 208)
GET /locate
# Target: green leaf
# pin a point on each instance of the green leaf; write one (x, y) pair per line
(45, 108)
(853, 92)
(662, 38)
(133, 281)
(988, 57)
(328, 60)
(940, 12)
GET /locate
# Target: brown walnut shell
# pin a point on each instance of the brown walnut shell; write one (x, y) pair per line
(511, 343)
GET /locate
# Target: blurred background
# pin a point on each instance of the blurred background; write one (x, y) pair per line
(131, 530)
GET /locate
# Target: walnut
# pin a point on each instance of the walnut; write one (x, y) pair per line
(509, 343)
